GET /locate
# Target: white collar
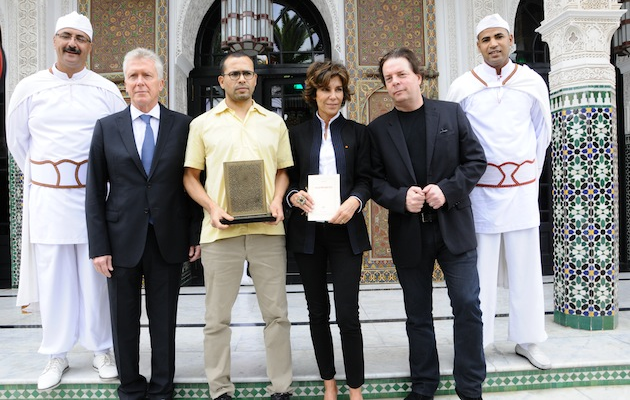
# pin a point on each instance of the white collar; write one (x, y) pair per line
(154, 112)
(62, 75)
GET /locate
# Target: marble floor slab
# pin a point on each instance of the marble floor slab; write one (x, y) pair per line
(385, 341)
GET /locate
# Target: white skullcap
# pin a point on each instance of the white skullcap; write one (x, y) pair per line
(491, 21)
(75, 20)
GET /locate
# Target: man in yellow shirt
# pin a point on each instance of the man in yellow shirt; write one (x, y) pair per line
(238, 129)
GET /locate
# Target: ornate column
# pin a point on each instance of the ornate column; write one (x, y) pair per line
(585, 176)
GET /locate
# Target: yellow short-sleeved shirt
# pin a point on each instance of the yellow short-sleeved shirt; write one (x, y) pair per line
(219, 135)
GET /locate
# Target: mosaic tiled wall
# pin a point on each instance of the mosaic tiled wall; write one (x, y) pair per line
(15, 219)
(119, 26)
(585, 202)
(372, 29)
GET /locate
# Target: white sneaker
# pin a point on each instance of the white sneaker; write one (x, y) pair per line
(51, 377)
(105, 365)
(534, 354)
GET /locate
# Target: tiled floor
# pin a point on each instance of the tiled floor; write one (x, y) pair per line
(579, 357)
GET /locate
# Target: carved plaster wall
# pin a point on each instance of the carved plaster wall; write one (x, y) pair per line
(579, 46)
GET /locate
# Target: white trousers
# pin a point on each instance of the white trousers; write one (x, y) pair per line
(73, 299)
(516, 256)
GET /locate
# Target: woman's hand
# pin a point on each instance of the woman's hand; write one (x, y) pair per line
(302, 200)
(346, 211)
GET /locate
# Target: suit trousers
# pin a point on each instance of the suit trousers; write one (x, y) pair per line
(223, 267)
(73, 300)
(333, 250)
(462, 281)
(516, 256)
(161, 285)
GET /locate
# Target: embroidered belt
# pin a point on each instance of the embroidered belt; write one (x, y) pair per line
(509, 174)
(62, 174)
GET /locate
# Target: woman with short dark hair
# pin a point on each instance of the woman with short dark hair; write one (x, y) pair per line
(329, 144)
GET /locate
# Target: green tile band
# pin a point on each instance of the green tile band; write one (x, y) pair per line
(509, 381)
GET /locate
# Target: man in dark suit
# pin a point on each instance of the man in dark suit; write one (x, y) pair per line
(141, 223)
(426, 160)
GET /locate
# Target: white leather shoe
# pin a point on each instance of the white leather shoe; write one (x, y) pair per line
(105, 365)
(534, 354)
(51, 377)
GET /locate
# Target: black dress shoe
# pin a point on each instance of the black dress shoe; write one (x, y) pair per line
(418, 396)
(224, 396)
(462, 397)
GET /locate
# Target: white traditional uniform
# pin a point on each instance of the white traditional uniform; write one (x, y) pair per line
(511, 116)
(49, 129)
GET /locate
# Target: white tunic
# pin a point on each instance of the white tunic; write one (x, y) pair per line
(49, 129)
(511, 116)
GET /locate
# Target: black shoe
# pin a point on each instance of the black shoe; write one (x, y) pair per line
(418, 396)
(281, 396)
(462, 397)
(224, 396)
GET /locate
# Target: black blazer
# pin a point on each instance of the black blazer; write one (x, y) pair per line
(117, 222)
(455, 162)
(352, 153)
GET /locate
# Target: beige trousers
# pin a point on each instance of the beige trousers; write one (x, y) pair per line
(223, 268)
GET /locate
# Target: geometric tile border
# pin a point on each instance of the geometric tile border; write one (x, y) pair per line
(601, 323)
(372, 389)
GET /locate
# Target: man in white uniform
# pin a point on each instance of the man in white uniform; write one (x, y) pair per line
(508, 107)
(50, 121)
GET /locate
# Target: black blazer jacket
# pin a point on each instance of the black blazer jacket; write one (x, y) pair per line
(352, 153)
(117, 221)
(455, 162)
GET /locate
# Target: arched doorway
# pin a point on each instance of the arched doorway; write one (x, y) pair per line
(300, 37)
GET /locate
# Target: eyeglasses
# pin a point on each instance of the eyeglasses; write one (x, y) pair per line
(234, 75)
(77, 38)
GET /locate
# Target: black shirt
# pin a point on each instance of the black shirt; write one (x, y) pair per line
(414, 128)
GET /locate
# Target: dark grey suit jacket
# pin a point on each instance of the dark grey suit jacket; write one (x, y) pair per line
(455, 162)
(118, 221)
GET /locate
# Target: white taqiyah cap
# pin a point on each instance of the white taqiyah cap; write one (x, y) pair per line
(75, 20)
(491, 21)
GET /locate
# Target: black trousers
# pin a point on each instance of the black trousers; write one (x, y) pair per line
(332, 248)
(462, 282)
(161, 282)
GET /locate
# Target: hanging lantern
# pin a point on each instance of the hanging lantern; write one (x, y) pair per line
(621, 39)
(246, 25)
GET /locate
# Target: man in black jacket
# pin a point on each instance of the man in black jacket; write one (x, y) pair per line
(425, 161)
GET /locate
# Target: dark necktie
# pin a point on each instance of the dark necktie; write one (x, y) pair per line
(148, 146)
